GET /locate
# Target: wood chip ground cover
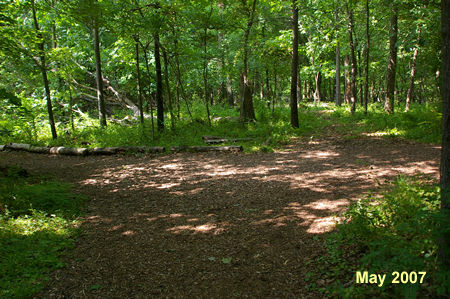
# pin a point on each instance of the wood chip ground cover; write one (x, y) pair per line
(216, 225)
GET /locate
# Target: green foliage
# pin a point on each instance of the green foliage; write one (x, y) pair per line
(422, 123)
(394, 232)
(37, 224)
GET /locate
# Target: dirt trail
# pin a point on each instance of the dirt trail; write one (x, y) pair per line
(215, 225)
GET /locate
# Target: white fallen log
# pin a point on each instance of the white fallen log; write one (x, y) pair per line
(76, 151)
(18, 146)
(39, 149)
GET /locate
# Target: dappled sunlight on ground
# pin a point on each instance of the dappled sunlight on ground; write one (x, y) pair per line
(215, 220)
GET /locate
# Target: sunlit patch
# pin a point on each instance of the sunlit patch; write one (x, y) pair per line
(330, 205)
(193, 220)
(115, 227)
(98, 219)
(322, 225)
(89, 182)
(168, 185)
(170, 166)
(204, 228)
(320, 154)
(128, 233)
(175, 215)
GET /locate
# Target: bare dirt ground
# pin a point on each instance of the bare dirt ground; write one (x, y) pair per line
(215, 225)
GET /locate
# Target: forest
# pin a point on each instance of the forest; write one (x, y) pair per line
(255, 148)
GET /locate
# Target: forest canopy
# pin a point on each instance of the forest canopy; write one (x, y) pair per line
(166, 61)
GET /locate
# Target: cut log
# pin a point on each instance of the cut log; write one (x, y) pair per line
(217, 140)
(144, 149)
(104, 151)
(18, 146)
(123, 149)
(76, 151)
(39, 150)
(231, 148)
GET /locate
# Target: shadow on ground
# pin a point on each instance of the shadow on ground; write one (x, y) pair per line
(216, 225)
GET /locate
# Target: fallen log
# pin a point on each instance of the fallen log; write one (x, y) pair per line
(18, 146)
(39, 149)
(217, 140)
(76, 151)
(144, 149)
(123, 149)
(231, 148)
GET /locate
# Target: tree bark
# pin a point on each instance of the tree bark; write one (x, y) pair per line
(139, 86)
(169, 94)
(294, 70)
(347, 80)
(317, 94)
(338, 67)
(159, 91)
(409, 94)
(367, 57)
(205, 73)
(444, 244)
(392, 64)
(247, 111)
(98, 77)
(353, 62)
(43, 68)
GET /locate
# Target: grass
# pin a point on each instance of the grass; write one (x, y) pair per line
(397, 231)
(37, 225)
(271, 130)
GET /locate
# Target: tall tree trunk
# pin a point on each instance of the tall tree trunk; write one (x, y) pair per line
(409, 94)
(444, 246)
(390, 76)
(317, 94)
(205, 74)
(338, 65)
(169, 94)
(150, 99)
(247, 111)
(139, 86)
(347, 80)
(294, 69)
(367, 57)
(353, 61)
(72, 123)
(43, 67)
(275, 91)
(98, 75)
(159, 88)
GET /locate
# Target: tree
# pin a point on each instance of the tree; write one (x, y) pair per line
(294, 72)
(247, 110)
(352, 60)
(392, 64)
(159, 90)
(367, 57)
(43, 67)
(445, 155)
(98, 73)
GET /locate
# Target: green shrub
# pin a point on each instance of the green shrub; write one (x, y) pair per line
(395, 232)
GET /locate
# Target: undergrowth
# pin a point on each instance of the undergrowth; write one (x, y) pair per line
(397, 231)
(37, 225)
(271, 130)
